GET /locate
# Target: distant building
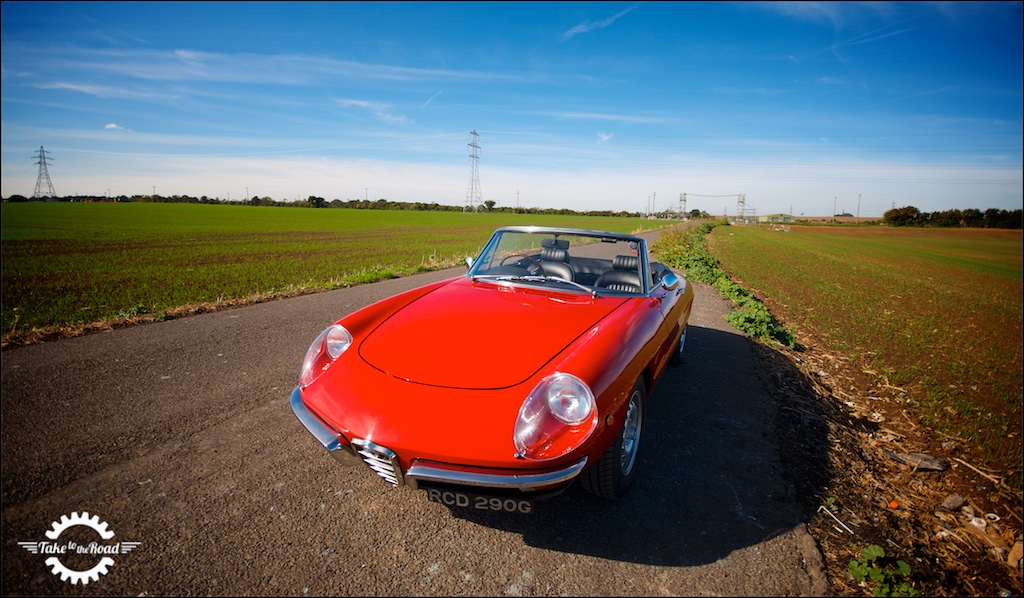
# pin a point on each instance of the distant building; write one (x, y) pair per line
(776, 219)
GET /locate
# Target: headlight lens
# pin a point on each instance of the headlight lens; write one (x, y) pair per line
(327, 347)
(336, 340)
(569, 399)
(558, 415)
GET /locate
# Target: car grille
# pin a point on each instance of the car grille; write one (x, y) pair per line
(381, 460)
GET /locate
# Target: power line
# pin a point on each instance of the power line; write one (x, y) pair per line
(741, 202)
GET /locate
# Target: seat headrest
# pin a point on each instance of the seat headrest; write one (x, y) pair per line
(554, 254)
(626, 262)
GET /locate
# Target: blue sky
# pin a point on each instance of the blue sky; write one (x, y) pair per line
(590, 106)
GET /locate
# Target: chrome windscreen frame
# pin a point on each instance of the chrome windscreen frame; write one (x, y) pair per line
(645, 267)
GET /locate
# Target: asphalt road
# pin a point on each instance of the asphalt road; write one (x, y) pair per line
(179, 436)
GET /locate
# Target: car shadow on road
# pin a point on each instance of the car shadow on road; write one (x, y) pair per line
(718, 470)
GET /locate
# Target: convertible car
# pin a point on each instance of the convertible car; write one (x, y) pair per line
(504, 385)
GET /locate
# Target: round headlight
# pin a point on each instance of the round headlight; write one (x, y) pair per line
(569, 399)
(336, 340)
(327, 347)
(556, 418)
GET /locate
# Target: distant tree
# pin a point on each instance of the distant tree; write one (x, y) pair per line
(17, 198)
(1012, 219)
(905, 216)
(992, 218)
(317, 202)
(947, 218)
(972, 217)
(995, 218)
(489, 204)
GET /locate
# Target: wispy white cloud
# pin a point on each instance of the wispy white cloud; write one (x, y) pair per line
(830, 80)
(607, 178)
(102, 91)
(193, 65)
(623, 118)
(113, 127)
(840, 15)
(844, 16)
(816, 12)
(920, 94)
(603, 137)
(873, 36)
(740, 91)
(380, 110)
(587, 26)
(432, 98)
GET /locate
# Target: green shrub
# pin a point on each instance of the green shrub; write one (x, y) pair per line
(685, 250)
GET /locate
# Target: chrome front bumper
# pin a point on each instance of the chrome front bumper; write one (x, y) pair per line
(440, 473)
(385, 463)
(331, 439)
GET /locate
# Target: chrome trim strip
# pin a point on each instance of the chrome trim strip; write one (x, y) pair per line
(569, 231)
(522, 481)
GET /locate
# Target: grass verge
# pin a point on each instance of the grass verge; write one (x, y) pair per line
(685, 249)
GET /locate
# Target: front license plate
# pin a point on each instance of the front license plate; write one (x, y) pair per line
(468, 500)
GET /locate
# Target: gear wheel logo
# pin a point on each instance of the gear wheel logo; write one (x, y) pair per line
(53, 547)
(58, 568)
(58, 527)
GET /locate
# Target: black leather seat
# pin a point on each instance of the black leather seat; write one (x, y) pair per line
(624, 275)
(555, 262)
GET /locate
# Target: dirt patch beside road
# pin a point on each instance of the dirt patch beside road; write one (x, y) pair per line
(860, 495)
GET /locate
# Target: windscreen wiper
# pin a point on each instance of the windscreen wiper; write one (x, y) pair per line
(511, 278)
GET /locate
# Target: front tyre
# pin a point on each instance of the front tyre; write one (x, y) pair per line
(613, 474)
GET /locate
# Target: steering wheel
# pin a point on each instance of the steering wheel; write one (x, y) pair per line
(540, 269)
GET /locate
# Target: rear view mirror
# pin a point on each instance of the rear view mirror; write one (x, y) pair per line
(670, 281)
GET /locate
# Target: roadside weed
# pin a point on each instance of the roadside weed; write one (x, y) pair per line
(885, 576)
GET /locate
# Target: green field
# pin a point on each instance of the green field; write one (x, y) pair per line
(67, 264)
(935, 310)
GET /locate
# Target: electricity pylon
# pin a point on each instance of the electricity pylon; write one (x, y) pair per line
(44, 186)
(474, 198)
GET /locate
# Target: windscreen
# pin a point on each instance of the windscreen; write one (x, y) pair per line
(606, 264)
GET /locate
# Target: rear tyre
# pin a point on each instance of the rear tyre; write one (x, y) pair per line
(613, 474)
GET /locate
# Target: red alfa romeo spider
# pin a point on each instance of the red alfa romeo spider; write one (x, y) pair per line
(495, 388)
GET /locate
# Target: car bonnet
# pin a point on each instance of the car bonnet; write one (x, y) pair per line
(481, 335)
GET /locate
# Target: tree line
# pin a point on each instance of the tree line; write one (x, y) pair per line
(969, 218)
(314, 201)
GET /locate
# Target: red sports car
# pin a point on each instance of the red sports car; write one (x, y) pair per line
(495, 388)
